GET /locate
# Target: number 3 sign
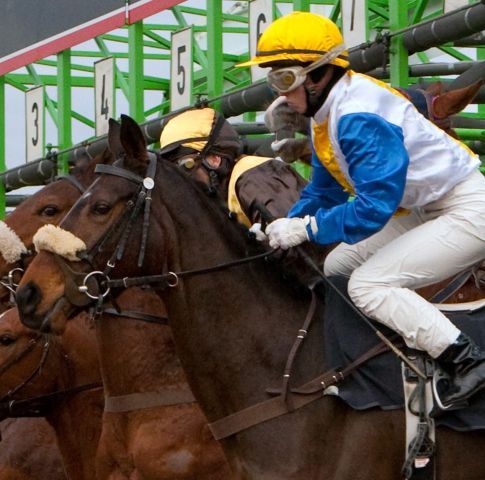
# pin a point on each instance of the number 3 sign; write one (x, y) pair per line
(34, 123)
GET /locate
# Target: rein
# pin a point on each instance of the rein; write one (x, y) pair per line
(22, 354)
(41, 405)
(171, 279)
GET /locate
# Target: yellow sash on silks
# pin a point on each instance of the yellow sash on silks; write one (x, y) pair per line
(325, 153)
(242, 165)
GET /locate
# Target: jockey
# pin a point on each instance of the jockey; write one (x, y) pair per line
(405, 199)
(206, 146)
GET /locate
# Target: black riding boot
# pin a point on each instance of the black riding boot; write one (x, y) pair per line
(465, 363)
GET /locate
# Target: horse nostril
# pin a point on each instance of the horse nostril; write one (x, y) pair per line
(27, 298)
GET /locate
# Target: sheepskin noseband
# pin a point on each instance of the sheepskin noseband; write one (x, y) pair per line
(57, 240)
(11, 247)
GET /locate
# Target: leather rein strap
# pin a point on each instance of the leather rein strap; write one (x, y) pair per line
(277, 406)
(41, 405)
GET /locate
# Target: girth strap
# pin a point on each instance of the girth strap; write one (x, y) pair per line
(277, 406)
(139, 401)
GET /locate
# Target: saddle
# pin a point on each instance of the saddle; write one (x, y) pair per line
(385, 382)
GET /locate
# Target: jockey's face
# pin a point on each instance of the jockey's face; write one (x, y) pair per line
(298, 98)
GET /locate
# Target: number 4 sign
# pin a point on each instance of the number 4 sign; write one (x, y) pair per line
(104, 94)
(34, 123)
(181, 69)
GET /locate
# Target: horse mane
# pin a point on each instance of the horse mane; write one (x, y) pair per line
(180, 188)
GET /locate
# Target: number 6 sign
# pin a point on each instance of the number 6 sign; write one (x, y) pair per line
(181, 69)
(34, 123)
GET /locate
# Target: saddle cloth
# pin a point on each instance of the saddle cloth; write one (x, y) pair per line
(378, 383)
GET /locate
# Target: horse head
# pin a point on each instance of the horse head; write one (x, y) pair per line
(98, 224)
(47, 206)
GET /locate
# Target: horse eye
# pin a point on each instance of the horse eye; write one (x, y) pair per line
(6, 340)
(49, 211)
(101, 208)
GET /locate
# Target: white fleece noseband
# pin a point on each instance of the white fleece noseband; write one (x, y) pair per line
(57, 240)
(11, 247)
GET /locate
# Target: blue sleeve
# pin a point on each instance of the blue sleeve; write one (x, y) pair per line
(323, 191)
(377, 160)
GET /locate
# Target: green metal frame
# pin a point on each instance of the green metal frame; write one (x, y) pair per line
(214, 68)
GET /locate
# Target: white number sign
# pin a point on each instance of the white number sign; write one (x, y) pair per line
(34, 123)
(354, 21)
(181, 69)
(104, 94)
(260, 16)
(451, 5)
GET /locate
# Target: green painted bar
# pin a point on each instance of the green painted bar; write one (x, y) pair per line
(398, 56)
(135, 81)
(64, 107)
(215, 82)
(2, 145)
(470, 134)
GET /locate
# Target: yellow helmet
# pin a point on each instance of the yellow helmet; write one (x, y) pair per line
(202, 130)
(300, 37)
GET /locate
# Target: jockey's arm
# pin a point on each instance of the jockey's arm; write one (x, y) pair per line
(377, 161)
(322, 191)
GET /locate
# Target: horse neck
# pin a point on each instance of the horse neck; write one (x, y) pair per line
(150, 362)
(233, 328)
(77, 419)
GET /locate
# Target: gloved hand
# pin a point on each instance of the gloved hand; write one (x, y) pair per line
(258, 233)
(288, 232)
(269, 116)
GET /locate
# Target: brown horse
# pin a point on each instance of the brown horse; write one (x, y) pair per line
(29, 450)
(233, 328)
(38, 451)
(48, 205)
(150, 441)
(157, 443)
(33, 365)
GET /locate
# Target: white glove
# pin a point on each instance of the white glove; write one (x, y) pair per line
(288, 232)
(259, 234)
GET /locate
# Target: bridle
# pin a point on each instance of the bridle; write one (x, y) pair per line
(82, 289)
(21, 355)
(39, 405)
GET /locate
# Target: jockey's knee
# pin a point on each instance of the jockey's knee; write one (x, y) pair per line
(340, 262)
(366, 294)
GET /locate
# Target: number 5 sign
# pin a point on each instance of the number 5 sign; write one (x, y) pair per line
(181, 69)
(104, 94)
(34, 123)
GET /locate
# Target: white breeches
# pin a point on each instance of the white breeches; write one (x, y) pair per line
(429, 245)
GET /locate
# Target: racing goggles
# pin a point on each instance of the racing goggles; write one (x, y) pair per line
(286, 79)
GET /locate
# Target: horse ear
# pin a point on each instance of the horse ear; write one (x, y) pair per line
(435, 89)
(114, 143)
(455, 101)
(134, 144)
